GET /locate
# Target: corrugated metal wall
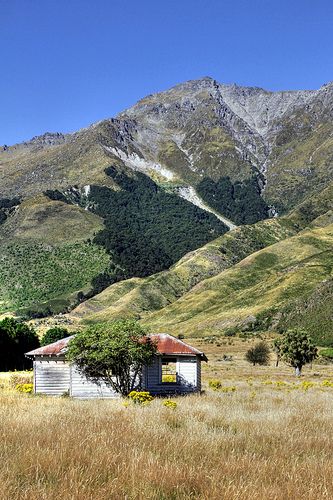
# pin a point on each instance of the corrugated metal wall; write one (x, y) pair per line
(51, 377)
(56, 377)
(86, 389)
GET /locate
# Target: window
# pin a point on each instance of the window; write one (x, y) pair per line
(169, 370)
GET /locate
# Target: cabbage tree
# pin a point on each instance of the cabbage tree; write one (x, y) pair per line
(296, 348)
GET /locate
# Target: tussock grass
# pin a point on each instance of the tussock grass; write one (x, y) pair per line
(255, 442)
(273, 278)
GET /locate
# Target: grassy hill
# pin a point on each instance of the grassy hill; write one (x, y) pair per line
(46, 258)
(252, 279)
(140, 296)
(253, 294)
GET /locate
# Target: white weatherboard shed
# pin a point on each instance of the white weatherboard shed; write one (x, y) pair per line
(176, 369)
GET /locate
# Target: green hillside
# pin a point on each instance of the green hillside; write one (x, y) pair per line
(53, 248)
(253, 294)
(139, 296)
(229, 286)
(45, 257)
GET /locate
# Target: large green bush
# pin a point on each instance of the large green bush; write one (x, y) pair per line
(114, 353)
(258, 354)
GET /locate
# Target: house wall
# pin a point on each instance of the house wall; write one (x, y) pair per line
(188, 376)
(199, 375)
(51, 376)
(55, 377)
(86, 389)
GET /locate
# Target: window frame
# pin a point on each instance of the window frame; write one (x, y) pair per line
(173, 359)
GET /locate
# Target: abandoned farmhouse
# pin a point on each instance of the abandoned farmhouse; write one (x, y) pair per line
(176, 369)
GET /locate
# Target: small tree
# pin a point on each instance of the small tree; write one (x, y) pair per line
(296, 348)
(258, 354)
(53, 334)
(114, 353)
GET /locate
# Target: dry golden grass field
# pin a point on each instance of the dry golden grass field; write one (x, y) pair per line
(263, 435)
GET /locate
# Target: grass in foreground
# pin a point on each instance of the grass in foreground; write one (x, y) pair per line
(263, 434)
(262, 441)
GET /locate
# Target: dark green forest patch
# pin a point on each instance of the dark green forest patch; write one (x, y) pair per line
(146, 228)
(240, 201)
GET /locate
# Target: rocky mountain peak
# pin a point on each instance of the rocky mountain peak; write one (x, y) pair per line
(48, 139)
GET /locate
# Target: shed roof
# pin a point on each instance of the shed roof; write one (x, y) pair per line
(166, 344)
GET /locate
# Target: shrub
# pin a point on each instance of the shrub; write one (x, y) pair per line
(140, 397)
(20, 378)
(327, 383)
(327, 353)
(24, 388)
(170, 404)
(230, 388)
(169, 378)
(214, 384)
(305, 385)
(259, 354)
(231, 332)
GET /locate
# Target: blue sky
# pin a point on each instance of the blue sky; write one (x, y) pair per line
(68, 63)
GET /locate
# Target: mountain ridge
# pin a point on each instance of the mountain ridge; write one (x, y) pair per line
(186, 162)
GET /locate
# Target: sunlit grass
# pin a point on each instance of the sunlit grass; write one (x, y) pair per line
(254, 442)
(257, 432)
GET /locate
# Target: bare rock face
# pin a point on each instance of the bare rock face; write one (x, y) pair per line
(196, 130)
(48, 139)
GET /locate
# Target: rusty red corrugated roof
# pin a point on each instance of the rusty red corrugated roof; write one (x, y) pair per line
(165, 343)
(54, 349)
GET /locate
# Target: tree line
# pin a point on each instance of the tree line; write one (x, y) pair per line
(17, 338)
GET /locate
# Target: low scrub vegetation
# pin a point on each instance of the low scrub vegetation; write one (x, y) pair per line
(35, 273)
(327, 353)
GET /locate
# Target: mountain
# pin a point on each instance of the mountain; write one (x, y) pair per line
(129, 197)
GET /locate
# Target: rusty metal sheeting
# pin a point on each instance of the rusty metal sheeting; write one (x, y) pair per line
(165, 343)
(54, 349)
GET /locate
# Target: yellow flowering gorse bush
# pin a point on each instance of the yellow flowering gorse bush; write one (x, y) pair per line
(170, 404)
(140, 397)
(24, 388)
